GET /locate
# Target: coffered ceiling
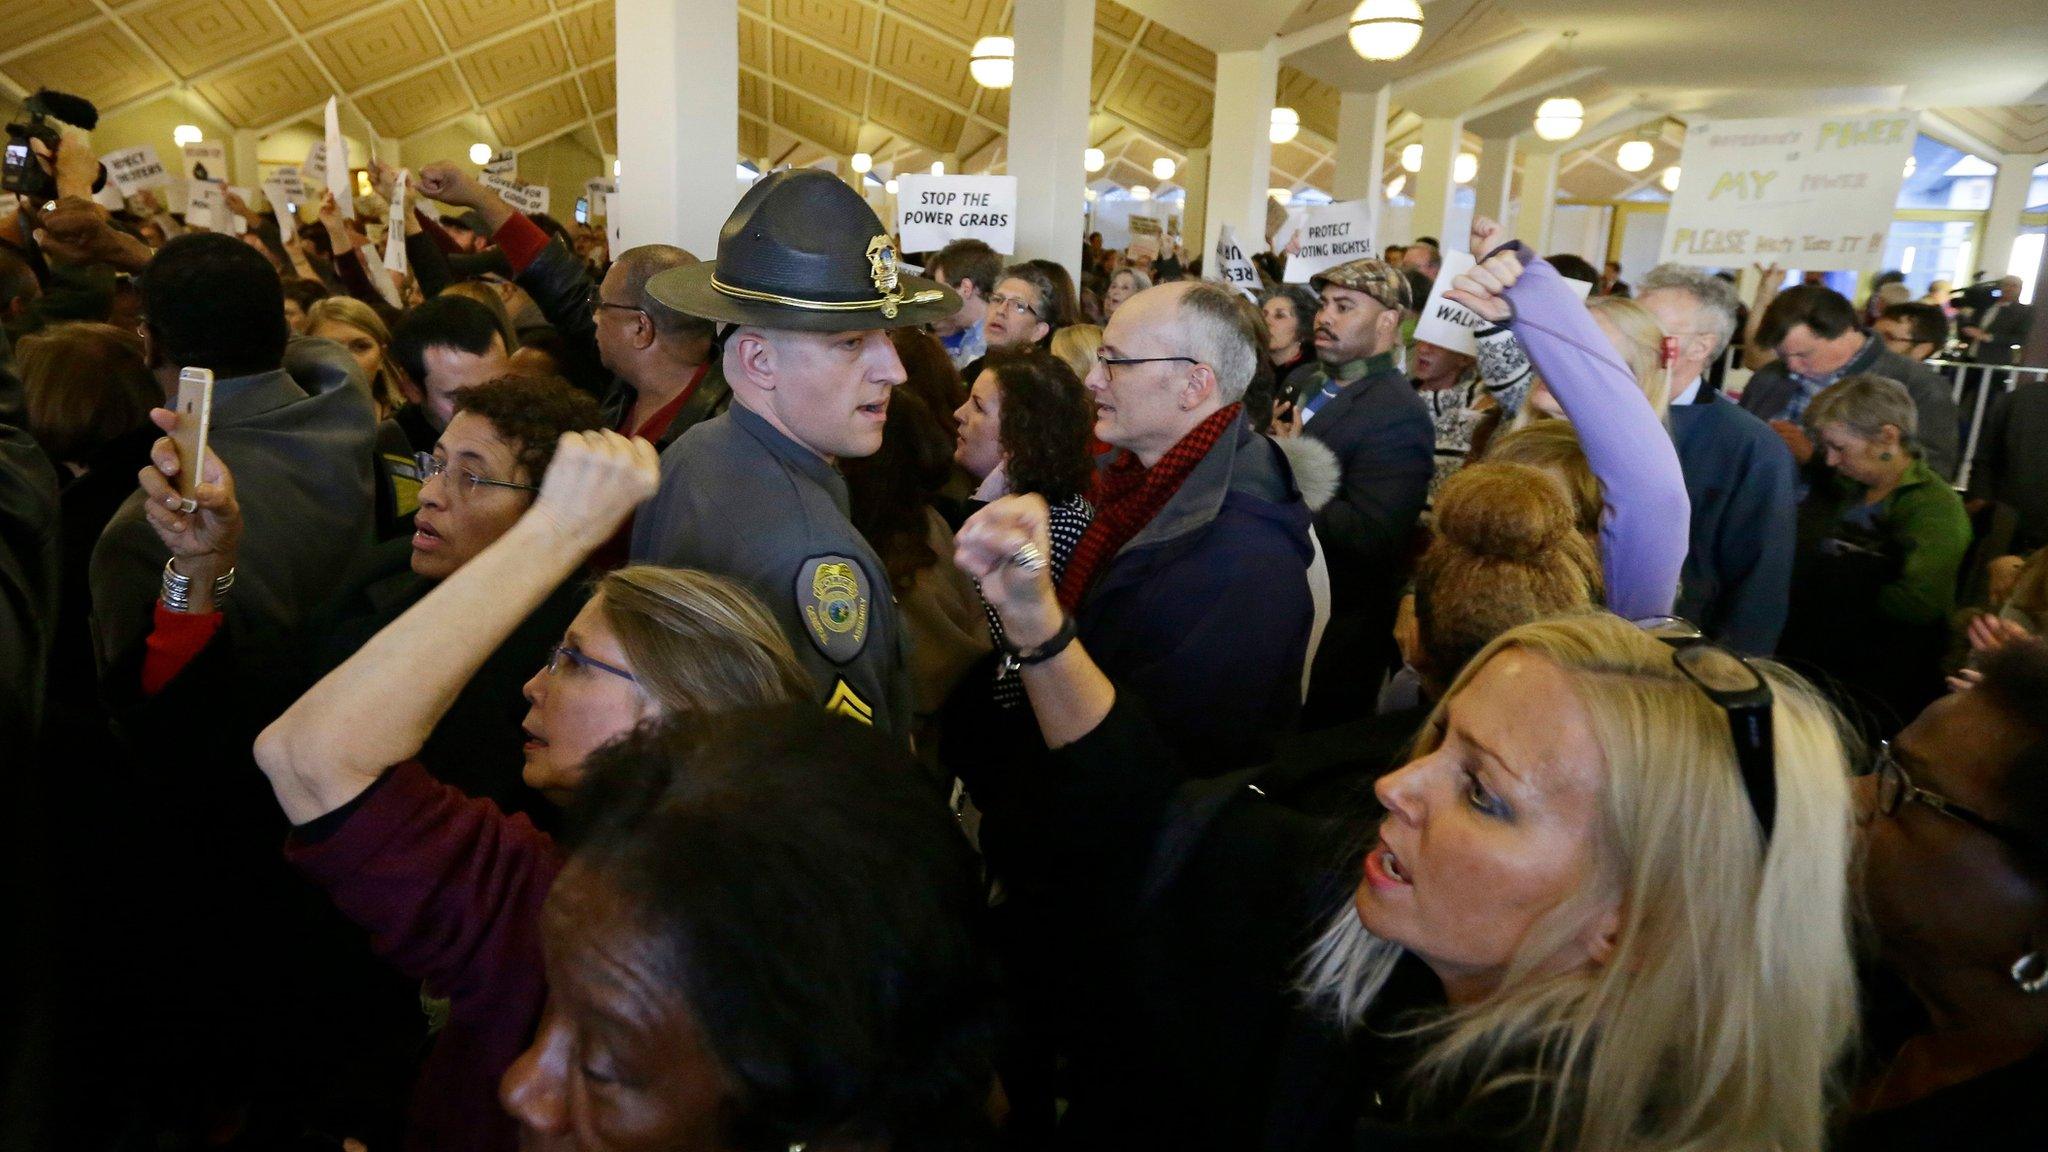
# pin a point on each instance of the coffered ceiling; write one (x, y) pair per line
(821, 79)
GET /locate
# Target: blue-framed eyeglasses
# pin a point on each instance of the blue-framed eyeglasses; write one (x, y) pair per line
(563, 654)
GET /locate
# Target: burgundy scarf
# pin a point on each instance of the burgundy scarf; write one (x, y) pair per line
(1127, 495)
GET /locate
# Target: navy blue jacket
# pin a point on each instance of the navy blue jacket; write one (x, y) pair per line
(1205, 613)
(1744, 489)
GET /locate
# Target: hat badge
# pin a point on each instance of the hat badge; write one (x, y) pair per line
(882, 269)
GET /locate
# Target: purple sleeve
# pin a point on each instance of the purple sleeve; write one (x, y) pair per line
(449, 888)
(1645, 532)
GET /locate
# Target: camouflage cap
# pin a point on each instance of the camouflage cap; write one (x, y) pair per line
(1374, 277)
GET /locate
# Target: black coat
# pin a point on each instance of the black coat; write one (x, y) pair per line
(1385, 442)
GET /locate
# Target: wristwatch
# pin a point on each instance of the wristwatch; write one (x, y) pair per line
(1015, 658)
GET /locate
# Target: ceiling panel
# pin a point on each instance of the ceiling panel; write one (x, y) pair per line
(97, 62)
(1102, 67)
(416, 103)
(847, 25)
(753, 138)
(537, 113)
(1161, 103)
(753, 44)
(806, 117)
(925, 62)
(918, 117)
(1316, 101)
(378, 46)
(1117, 20)
(195, 35)
(601, 87)
(308, 14)
(29, 19)
(995, 106)
(1178, 49)
(263, 91)
(464, 22)
(593, 32)
(608, 135)
(830, 78)
(510, 65)
(963, 20)
(754, 95)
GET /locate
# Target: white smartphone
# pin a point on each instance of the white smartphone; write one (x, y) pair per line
(195, 422)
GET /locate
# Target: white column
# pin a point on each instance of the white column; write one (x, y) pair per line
(1435, 185)
(1539, 197)
(242, 158)
(1496, 177)
(1362, 149)
(1240, 151)
(2002, 222)
(1049, 127)
(1194, 177)
(679, 92)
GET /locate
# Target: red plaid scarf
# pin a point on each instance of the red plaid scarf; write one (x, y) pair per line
(1128, 495)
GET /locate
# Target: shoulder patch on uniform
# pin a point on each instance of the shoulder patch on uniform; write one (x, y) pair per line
(832, 596)
(846, 702)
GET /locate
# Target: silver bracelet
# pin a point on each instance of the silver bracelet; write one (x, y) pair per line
(177, 589)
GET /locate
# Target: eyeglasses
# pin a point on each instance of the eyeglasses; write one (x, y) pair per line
(598, 303)
(563, 654)
(1111, 363)
(1895, 789)
(1739, 690)
(1000, 302)
(430, 466)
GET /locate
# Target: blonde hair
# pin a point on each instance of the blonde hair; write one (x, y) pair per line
(1642, 350)
(1552, 448)
(698, 642)
(1077, 344)
(1730, 993)
(384, 390)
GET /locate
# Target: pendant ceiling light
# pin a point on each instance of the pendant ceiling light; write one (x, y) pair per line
(1411, 158)
(1093, 160)
(1464, 168)
(1164, 168)
(993, 63)
(1635, 155)
(1386, 29)
(1286, 125)
(1669, 180)
(1560, 118)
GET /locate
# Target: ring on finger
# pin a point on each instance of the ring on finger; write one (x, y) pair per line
(1028, 557)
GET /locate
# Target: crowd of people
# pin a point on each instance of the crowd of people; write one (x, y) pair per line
(810, 696)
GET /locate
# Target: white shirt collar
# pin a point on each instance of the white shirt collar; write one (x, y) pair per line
(1690, 394)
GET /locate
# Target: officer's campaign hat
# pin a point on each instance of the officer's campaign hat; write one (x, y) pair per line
(803, 250)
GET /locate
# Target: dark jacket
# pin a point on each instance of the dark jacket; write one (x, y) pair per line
(30, 550)
(1744, 490)
(2012, 460)
(300, 441)
(1205, 613)
(1385, 442)
(476, 744)
(1771, 391)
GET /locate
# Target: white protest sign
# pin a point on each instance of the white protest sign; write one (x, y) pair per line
(313, 173)
(1232, 266)
(279, 193)
(206, 160)
(1449, 324)
(337, 164)
(206, 206)
(1330, 234)
(504, 165)
(934, 211)
(532, 199)
(600, 191)
(133, 169)
(247, 196)
(1814, 193)
(394, 226)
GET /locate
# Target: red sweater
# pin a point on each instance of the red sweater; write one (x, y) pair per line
(450, 889)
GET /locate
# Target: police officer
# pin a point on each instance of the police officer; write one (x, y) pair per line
(806, 278)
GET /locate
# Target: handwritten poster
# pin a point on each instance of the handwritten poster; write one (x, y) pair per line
(503, 164)
(206, 206)
(207, 160)
(1814, 193)
(133, 169)
(600, 192)
(532, 199)
(1232, 266)
(338, 182)
(933, 211)
(394, 226)
(1330, 234)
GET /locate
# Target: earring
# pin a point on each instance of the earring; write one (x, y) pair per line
(2035, 962)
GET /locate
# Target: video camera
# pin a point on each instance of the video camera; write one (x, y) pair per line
(21, 171)
(1975, 297)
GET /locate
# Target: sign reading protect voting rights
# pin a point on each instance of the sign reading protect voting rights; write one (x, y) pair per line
(1814, 193)
(1331, 234)
(933, 211)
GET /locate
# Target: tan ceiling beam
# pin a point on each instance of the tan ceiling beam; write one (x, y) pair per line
(1529, 92)
(1941, 128)
(1483, 57)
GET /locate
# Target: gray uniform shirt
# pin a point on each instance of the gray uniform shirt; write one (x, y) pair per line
(740, 499)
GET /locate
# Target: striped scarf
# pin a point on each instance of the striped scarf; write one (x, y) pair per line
(1128, 495)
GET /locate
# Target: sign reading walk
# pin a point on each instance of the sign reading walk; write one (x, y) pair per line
(1814, 193)
(1331, 234)
(1448, 324)
(934, 211)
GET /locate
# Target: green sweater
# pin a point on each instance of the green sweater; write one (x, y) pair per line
(1925, 516)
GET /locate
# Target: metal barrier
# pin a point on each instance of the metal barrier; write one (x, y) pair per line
(2004, 378)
